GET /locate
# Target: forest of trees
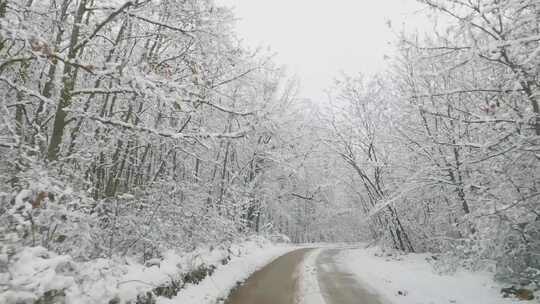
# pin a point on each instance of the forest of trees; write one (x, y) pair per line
(444, 149)
(131, 127)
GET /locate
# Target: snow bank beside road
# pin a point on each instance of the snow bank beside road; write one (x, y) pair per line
(410, 279)
(35, 273)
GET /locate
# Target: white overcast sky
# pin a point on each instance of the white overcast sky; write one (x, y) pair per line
(316, 39)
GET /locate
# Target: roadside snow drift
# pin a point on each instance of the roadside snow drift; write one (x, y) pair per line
(35, 271)
(410, 279)
(216, 288)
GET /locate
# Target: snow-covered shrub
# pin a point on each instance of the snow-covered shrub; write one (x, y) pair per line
(35, 273)
(519, 260)
(42, 210)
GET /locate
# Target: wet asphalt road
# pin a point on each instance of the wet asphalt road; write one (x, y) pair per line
(278, 282)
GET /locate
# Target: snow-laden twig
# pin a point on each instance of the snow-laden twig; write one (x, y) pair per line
(168, 134)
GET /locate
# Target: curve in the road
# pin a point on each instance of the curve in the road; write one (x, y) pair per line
(278, 282)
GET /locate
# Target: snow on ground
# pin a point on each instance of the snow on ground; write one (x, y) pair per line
(35, 270)
(216, 287)
(413, 277)
(308, 289)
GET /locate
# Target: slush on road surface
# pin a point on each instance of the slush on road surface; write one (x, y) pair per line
(279, 282)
